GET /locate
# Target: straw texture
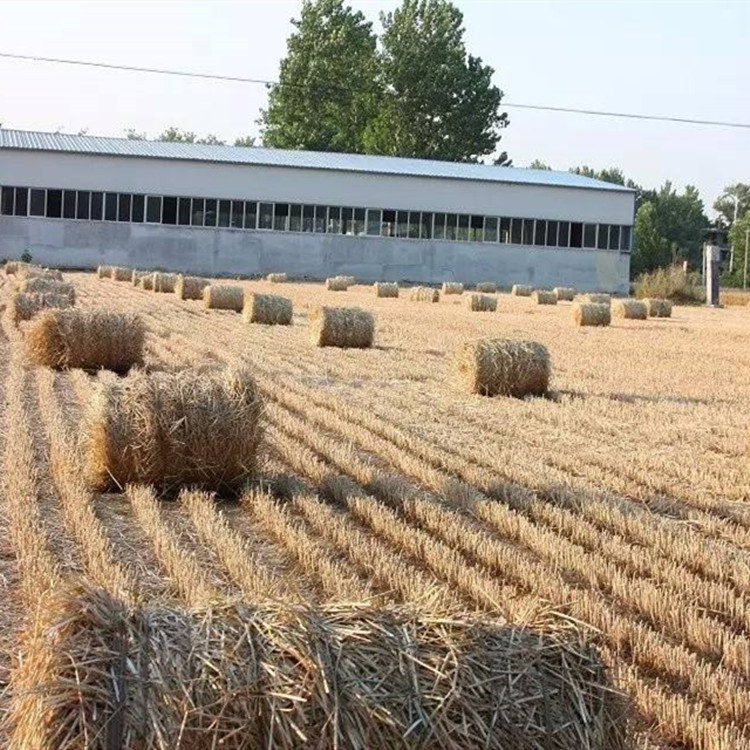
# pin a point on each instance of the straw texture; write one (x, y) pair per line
(564, 293)
(25, 305)
(37, 272)
(104, 272)
(424, 294)
(122, 274)
(136, 276)
(453, 287)
(217, 297)
(48, 286)
(385, 289)
(542, 297)
(269, 309)
(629, 308)
(590, 314)
(164, 282)
(521, 290)
(277, 278)
(147, 282)
(596, 299)
(190, 287)
(13, 266)
(481, 303)
(345, 327)
(658, 308)
(487, 287)
(337, 283)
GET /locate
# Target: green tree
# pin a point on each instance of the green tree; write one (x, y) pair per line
(539, 164)
(175, 135)
(738, 238)
(439, 101)
(651, 249)
(327, 93)
(682, 221)
(133, 135)
(245, 141)
(724, 204)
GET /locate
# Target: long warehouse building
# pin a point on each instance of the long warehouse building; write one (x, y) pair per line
(77, 201)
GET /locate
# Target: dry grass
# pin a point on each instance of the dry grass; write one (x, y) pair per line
(629, 308)
(343, 327)
(424, 294)
(481, 303)
(385, 289)
(591, 314)
(190, 287)
(220, 297)
(453, 287)
(269, 309)
(38, 285)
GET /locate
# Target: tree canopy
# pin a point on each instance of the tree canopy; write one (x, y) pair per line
(724, 205)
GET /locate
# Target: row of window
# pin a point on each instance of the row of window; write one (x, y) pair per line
(292, 217)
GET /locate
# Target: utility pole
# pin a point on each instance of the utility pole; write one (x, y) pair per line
(713, 262)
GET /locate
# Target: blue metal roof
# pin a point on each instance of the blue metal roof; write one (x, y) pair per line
(362, 163)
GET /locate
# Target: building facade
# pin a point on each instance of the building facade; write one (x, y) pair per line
(78, 201)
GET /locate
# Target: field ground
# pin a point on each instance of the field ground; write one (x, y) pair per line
(621, 500)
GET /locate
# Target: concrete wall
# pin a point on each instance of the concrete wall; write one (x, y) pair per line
(217, 252)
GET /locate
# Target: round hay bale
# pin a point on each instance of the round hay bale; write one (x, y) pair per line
(37, 272)
(48, 286)
(386, 289)
(136, 276)
(481, 303)
(453, 287)
(596, 299)
(629, 308)
(104, 272)
(591, 314)
(344, 327)
(349, 280)
(197, 428)
(424, 294)
(25, 305)
(146, 282)
(658, 308)
(218, 297)
(122, 274)
(521, 290)
(277, 278)
(542, 297)
(487, 287)
(89, 339)
(164, 282)
(12, 266)
(269, 309)
(337, 283)
(564, 293)
(190, 287)
(504, 367)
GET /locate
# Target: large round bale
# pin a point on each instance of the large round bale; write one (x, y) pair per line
(120, 273)
(164, 282)
(48, 286)
(481, 303)
(167, 429)
(349, 280)
(136, 276)
(424, 294)
(277, 278)
(564, 293)
(344, 327)
(590, 314)
(543, 297)
(487, 287)
(190, 287)
(89, 339)
(629, 308)
(521, 290)
(596, 299)
(269, 309)
(25, 305)
(386, 289)
(146, 282)
(504, 367)
(337, 283)
(37, 272)
(104, 272)
(658, 308)
(219, 297)
(453, 287)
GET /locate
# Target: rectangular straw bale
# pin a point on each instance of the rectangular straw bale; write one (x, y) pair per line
(190, 287)
(481, 303)
(25, 305)
(119, 273)
(89, 339)
(453, 287)
(192, 427)
(424, 294)
(386, 289)
(219, 297)
(104, 272)
(337, 283)
(658, 308)
(487, 287)
(164, 282)
(564, 293)
(591, 314)
(37, 272)
(48, 286)
(277, 278)
(629, 308)
(505, 367)
(521, 290)
(344, 327)
(270, 309)
(596, 299)
(543, 297)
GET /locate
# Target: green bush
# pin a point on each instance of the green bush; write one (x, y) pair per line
(26, 256)
(672, 283)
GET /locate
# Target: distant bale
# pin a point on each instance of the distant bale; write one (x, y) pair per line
(197, 428)
(13, 266)
(104, 272)
(591, 314)
(136, 276)
(564, 293)
(385, 289)
(147, 282)
(90, 339)
(521, 290)
(596, 299)
(122, 274)
(658, 308)
(481, 303)
(344, 327)
(453, 287)
(26, 305)
(48, 286)
(190, 287)
(424, 294)
(504, 367)
(629, 308)
(350, 280)
(164, 282)
(37, 272)
(277, 278)
(217, 297)
(487, 287)
(542, 297)
(269, 309)
(337, 283)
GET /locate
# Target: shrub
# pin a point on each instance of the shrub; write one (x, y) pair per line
(672, 283)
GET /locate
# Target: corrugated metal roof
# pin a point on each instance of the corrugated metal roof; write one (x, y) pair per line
(392, 165)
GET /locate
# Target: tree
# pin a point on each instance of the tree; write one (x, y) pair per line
(539, 164)
(245, 141)
(681, 221)
(133, 135)
(651, 250)
(211, 140)
(724, 204)
(439, 102)
(327, 93)
(175, 135)
(738, 238)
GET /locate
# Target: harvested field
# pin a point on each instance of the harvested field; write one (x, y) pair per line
(615, 507)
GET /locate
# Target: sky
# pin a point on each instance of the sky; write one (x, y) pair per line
(684, 59)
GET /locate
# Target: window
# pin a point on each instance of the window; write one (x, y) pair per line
(225, 211)
(295, 218)
(540, 233)
(334, 219)
(451, 226)
(490, 229)
(414, 222)
(476, 228)
(124, 204)
(589, 235)
(505, 230)
(463, 227)
(551, 234)
(576, 234)
(138, 208)
(212, 213)
(169, 210)
(238, 211)
(54, 204)
(8, 201)
(425, 231)
(402, 223)
(359, 220)
(625, 239)
(603, 238)
(69, 204)
(198, 212)
(528, 232)
(388, 228)
(281, 217)
(563, 234)
(321, 219)
(439, 231)
(84, 205)
(183, 211)
(347, 221)
(308, 218)
(37, 201)
(516, 234)
(110, 206)
(614, 237)
(373, 221)
(22, 202)
(265, 216)
(251, 215)
(153, 209)
(97, 206)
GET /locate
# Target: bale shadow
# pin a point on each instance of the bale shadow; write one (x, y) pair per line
(633, 398)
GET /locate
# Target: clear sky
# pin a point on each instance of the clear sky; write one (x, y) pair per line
(688, 59)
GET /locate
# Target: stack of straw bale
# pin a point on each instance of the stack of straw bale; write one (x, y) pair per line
(521, 290)
(190, 287)
(344, 327)
(122, 274)
(564, 293)
(164, 282)
(487, 287)
(386, 289)
(453, 287)
(48, 286)
(629, 308)
(424, 294)
(596, 299)
(481, 303)
(89, 339)
(658, 308)
(104, 272)
(504, 367)
(270, 309)
(37, 272)
(543, 297)
(197, 428)
(337, 283)
(218, 297)
(591, 314)
(25, 305)
(277, 278)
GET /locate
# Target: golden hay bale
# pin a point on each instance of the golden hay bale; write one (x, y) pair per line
(104, 272)
(337, 283)
(521, 290)
(13, 266)
(121, 274)
(481, 303)
(424, 294)
(596, 299)
(240, 677)
(542, 297)
(453, 287)
(48, 286)
(190, 287)
(217, 297)
(591, 314)
(504, 367)
(386, 289)
(136, 276)
(26, 305)
(164, 282)
(37, 272)
(344, 327)
(269, 309)
(89, 339)
(564, 293)
(147, 282)
(658, 308)
(277, 278)
(629, 308)
(349, 280)
(193, 427)
(487, 287)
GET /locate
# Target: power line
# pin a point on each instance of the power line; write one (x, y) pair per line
(264, 82)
